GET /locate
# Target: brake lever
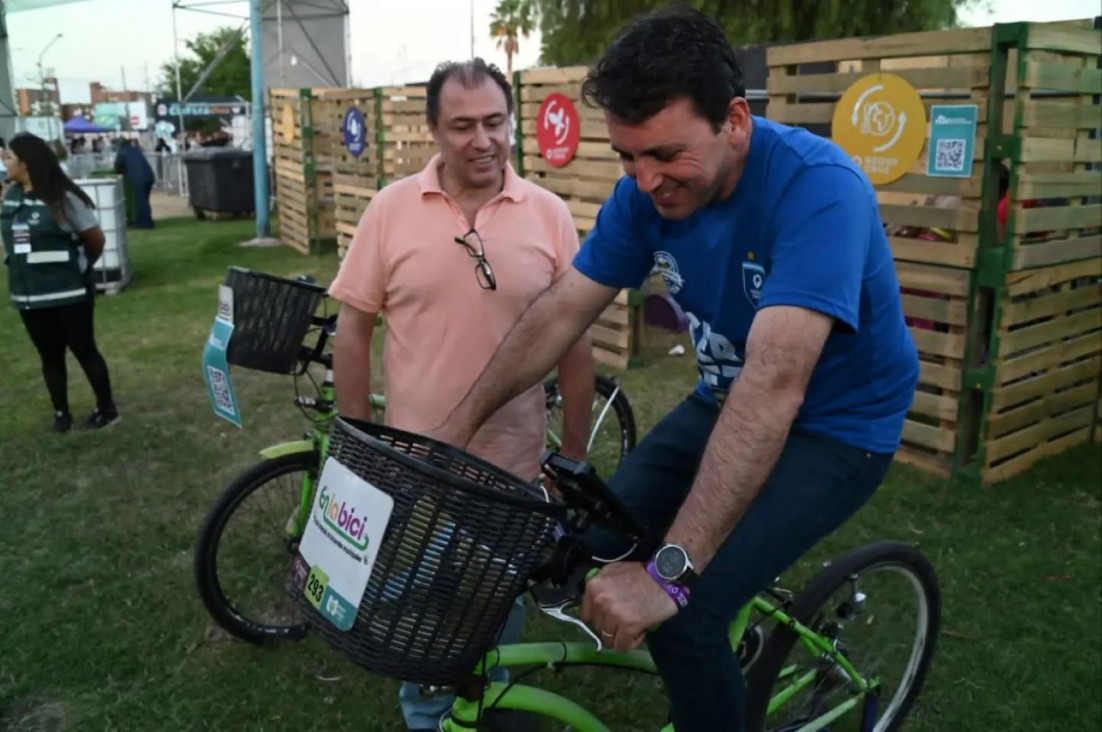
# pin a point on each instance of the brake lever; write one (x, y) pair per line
(558, 612)
(554, 602)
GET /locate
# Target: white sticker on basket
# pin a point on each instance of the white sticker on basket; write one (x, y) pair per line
(341, 541)
(225, 303)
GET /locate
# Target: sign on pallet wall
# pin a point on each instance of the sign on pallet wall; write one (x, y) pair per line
(881, 122)
(558, 129)
(355, 132)
(952, 139)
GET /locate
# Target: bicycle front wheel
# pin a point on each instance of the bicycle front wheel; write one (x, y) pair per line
(245, 550)
(880, 606)
(612, 426)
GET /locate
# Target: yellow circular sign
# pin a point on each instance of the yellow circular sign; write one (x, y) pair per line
(287, 124)
(881, 122)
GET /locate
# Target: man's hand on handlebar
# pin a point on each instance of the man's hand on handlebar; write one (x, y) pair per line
(622, 603)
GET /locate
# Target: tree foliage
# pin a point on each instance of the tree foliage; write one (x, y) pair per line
(577, 31)
(511, 21)
(232, 76)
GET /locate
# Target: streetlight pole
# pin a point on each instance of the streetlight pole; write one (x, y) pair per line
(42, 75)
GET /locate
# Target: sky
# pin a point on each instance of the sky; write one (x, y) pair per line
(392, 42)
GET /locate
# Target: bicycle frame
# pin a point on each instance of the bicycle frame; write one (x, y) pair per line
(550, 655)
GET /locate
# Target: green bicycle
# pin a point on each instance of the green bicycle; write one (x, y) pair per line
(456, 540)
(250, 531)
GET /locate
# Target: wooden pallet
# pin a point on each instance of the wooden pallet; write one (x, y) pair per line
(944, 67)
(1046, 384)
(618, 333)
(1056, 165)
(588, 179)
(935, 304)
(584, 183)
(407, 143)
(304, 188)
(355, 178)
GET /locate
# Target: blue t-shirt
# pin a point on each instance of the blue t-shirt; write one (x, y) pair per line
(802, 228)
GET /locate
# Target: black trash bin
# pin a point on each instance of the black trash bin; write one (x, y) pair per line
(220, 180)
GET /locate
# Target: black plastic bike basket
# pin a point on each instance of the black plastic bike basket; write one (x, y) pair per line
(271, 316)
(462, 539)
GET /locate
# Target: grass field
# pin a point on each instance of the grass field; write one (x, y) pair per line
(102, 629)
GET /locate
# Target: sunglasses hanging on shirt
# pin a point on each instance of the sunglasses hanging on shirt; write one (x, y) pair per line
(483, 272)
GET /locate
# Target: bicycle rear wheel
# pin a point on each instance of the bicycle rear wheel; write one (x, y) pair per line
(244, 553)
(612, 430)
(854, 602)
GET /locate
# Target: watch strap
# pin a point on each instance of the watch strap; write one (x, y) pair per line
(678, 593)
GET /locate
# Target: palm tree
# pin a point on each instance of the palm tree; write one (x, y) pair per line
(511, 19)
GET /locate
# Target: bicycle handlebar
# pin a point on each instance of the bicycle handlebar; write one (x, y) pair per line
(589, 502)
(559, 583)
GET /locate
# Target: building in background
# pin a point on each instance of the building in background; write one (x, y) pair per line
(102, 95)
(39, 101)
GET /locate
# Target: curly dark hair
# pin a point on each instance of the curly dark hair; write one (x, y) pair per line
(673, 53)
(470, 74)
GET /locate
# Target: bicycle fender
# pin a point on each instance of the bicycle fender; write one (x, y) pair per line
(287, 448)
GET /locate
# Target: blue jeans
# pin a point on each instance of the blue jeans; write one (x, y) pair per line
(816, 485)
(422, 713)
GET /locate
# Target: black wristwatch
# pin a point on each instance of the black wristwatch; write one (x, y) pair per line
(672, 563)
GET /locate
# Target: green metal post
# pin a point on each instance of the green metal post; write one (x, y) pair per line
(994, 257)
(520, 124)
(309, 167)
(380, 140)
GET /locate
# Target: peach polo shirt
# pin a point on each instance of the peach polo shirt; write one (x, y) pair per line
(442, 327)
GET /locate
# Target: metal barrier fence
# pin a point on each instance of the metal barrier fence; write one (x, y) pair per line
(168, 169)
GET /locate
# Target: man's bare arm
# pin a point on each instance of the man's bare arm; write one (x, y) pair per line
(782, 349)
(352, 362)
(550, 326)
(576, 385)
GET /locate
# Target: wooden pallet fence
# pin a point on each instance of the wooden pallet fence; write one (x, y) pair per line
(1056, 180)
(588, 179)
(935, 304)
(303, 189)
(1046, 373)
(1042, 281)
(355, 177)
(945, 67)
(406, 141)
(584, 183)
(1007, 322)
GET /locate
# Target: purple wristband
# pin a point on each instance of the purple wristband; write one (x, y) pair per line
(677, 593)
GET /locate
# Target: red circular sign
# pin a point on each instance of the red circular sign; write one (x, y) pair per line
(558, 129)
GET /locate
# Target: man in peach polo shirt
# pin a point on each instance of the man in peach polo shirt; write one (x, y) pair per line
(452, 257)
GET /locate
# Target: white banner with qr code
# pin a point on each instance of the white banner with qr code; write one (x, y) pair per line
(216, 368)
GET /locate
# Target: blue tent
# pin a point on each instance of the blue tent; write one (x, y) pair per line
(79, 125)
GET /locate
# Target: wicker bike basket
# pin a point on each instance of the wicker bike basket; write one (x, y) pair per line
(462, 539)
(271, 316)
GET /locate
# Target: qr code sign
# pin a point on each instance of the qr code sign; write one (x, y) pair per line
(220, 387)
(950, 155)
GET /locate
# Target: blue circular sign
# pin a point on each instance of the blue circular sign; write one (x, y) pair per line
(355, 132)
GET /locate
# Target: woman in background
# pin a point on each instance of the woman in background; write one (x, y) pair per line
(51, 240)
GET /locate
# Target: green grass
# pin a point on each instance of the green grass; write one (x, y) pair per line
(102, 629)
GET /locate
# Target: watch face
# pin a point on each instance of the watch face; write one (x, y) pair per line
(670, 562)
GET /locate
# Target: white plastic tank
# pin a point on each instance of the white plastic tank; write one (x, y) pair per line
(112, 271)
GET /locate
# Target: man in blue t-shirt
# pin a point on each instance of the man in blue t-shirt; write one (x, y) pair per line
(770, 239)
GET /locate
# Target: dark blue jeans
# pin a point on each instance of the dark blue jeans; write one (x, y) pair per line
(816, 485)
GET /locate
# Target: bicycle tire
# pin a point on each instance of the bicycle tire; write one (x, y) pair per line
(210, 534)
(809, 602)
(621, 407)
